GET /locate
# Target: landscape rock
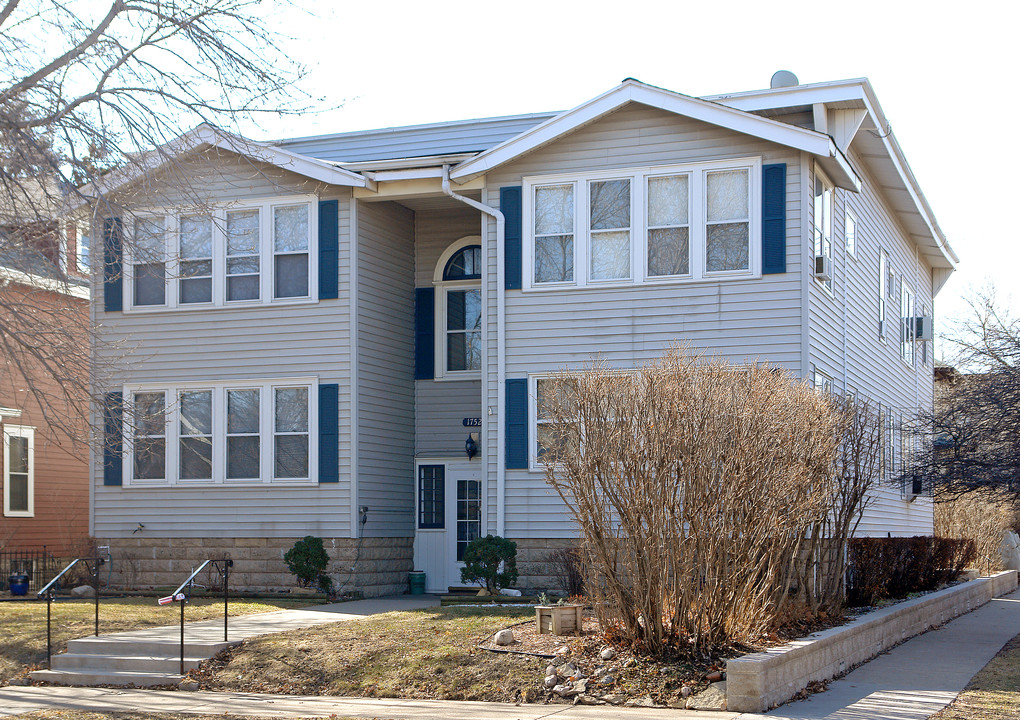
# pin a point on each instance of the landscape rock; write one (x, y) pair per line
(20, 681)
(505, 637)
(484, 592)
(187, 685)
(562, 651)
(83, 591)
(550, 670)
(714, 676)
(562, 689)
(599, 671)
(645, 701)
(685, 691)
(551, 681)
(589, 700)
(607, 653)
(510, 593)
(606, 680)
(568, 669)
(711, 698)
(631, 662)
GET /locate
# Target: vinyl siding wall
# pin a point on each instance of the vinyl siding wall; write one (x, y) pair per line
(550, 330)
(386, 368)
(440, 406)
(844, 336)
(226, 344)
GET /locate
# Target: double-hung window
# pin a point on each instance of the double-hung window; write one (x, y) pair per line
(850, 233)
(148, 267)
(19, 471)
(823, 195)
(234, 433)
(883, 293)
(547, 393)
(908, 324)
(640, 225)
(247, 253)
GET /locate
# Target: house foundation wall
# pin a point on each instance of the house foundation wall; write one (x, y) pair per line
(538, 564)
(371, 566)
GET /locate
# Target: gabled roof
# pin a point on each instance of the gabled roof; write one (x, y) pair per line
(206, 136)
(634, 91)
(876, 145)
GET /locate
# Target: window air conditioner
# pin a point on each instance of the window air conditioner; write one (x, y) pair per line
(823, 267)
(924, 328)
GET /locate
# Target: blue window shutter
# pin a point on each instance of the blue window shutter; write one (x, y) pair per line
(329, 248)
(510, 206)
(516, 424)
(424, 333)
(329, 433)
(113, 266)
(773, 219)
(113, 439)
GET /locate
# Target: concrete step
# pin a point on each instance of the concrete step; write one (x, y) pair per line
(98, 676)
(119, 646)
(157, 663)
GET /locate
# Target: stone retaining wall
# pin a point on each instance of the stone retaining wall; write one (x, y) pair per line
(380, 568)
(536, 566)
(757, 682)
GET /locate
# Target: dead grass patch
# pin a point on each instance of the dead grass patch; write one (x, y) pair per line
(424, 654)
(992, 694)
(23, 624)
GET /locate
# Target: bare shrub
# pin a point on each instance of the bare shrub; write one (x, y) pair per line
(983, 518)
(694, 484)
(566, 563)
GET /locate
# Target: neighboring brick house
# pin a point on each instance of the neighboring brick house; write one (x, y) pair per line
(44, 295)
(354, 340)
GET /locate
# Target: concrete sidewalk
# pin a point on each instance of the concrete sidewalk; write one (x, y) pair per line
(910, 682)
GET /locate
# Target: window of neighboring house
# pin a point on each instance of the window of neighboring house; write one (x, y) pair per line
(670, 224)
(822, 382)
(823, 220)
(459, 311)
(216, 432)
(883, 294)
(431, 497)
(850, 231)
(250, 253)
(149, 261)
(908, 327)
(196, 259)
(150, 430)
(19, 471)
(83, 249)
(290, 250)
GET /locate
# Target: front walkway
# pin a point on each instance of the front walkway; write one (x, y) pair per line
(910, 682)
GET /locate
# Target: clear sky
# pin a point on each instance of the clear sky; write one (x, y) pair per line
(946, 75)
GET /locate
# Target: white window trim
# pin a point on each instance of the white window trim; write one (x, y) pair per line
(442, 287)
(850, 215)
(84, 268)
(639, 225)
(830, 283)
(267, 400)
(908, 307)
(883, 295)
(267, 256)
(24, 431)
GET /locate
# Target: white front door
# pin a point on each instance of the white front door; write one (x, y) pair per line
(463, 515)
(449, 516)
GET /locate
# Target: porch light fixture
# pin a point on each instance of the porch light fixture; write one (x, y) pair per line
(471, 445)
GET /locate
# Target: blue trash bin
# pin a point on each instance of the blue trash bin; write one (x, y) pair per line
(18, 583)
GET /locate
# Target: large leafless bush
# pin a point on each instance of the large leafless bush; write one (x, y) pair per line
(695, 486)
(978, 516)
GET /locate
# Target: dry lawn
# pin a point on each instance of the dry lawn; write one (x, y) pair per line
(426, 654)
(23, 624)
(86, 715)
(992, 694)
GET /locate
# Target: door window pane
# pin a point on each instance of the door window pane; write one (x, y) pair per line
(432, 497)
(469, 514)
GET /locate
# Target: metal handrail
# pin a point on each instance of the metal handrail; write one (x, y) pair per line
(222, 567)
(47, 590)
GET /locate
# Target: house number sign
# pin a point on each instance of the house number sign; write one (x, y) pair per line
(473, 422)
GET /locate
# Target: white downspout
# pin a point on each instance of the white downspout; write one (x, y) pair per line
(500, 345)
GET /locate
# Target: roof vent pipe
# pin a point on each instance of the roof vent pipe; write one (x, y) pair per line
(784, 79)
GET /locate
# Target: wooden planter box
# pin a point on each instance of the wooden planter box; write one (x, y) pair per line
(558, 619)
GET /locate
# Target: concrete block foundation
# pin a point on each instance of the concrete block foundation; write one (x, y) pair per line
(371, 566)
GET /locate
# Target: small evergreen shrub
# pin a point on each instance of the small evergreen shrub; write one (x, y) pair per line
(483, 558)
(880, 568)
(308, 560)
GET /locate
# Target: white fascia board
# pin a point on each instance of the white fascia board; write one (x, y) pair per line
(632, 91)
(407, 174)
(43, 283)
(9, 413)
(429, 161)
(839, 169)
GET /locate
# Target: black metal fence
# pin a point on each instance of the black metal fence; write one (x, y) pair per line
(39, 565)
